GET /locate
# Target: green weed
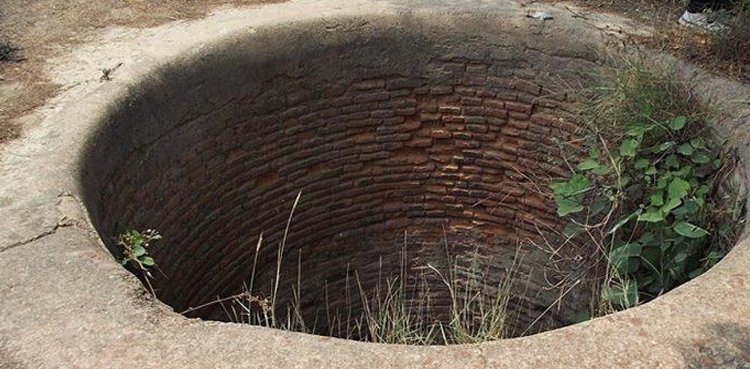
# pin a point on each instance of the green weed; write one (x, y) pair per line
(647, 191)
(398, 310)
(135, 252)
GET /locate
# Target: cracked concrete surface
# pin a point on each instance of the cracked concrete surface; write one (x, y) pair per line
(71, 214)
(67, 304)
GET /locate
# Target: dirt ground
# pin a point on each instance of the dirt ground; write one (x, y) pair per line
(41, 29)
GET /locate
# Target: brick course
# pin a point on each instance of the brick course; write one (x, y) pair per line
(373, 159)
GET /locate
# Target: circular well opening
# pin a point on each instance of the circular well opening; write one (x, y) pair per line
(414, 148)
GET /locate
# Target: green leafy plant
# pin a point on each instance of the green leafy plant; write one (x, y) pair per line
(135, 252)
(646, 193)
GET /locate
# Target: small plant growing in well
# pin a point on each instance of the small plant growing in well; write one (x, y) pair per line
(135, 252)
(398, 309)
(647, 192)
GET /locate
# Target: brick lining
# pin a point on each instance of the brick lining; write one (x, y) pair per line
(452, 153)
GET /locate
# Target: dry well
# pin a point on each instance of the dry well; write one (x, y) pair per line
(406, 129)
(392, 119)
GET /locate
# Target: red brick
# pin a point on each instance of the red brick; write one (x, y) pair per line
(519, 107)
(440, 134)
(369, 84)
(450, 110)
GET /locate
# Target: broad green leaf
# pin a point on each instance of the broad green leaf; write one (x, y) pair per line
(631, 249)
(702, 190)
(624, 221)
(657, 199)
(700, 157)
(680, 258)
(650, 171)
(685, 149)
(624, 258)
(653, 215)
(677, 123)
(566, 206)
(698, 143)
(688, 230)
(629, 147)
(594, 153)
(578, 184)
(666, 246)
(587, 164)
(663, 181)
(147, 261)
(636, 130)
(623, 296)
(683, 172)
(713, 257)
(672, 161)
(670, 205)
(139, 251)
(678, 189)
(601, 170)
(641, 163)
(716, 163)
(664, 146)
(560, 188)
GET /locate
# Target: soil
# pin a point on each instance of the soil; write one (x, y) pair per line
(727, 56)
(42, 29)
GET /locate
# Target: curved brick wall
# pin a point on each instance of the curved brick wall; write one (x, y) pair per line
(388, 134)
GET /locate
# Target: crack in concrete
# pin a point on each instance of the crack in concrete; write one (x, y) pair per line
(70, 220)
(64, 223)
(482, 356)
